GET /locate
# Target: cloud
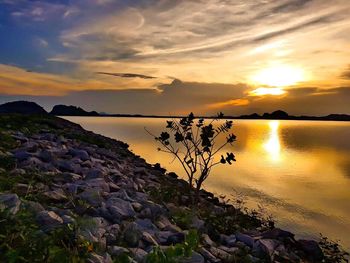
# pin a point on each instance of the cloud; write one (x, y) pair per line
(346, 74)
(127, 75)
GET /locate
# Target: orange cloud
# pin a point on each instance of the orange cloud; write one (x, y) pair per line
(235, 102)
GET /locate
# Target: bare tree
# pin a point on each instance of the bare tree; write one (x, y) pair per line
(194, 145)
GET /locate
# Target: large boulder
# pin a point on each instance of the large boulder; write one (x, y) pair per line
(22, 107)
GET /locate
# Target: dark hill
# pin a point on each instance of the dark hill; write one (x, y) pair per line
(23, 107)
(63, 110)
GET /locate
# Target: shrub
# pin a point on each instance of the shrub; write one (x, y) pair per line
(195, 146)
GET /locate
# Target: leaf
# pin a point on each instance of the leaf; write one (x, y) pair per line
(178, 137)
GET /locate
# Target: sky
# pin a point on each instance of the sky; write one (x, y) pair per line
(177, 56)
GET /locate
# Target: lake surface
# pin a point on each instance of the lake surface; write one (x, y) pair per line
(298, 171)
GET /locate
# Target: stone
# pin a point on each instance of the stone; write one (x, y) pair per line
(120, 208)
(132, 234)
(33, 207)
(219, 253)
(46, 156)
(57, 195)
(68, 219)
(81, 154)
(137, 206)
(246, 239)
(95, 258)
(10, 202)
(208, 256)
(195, 258)
(92, 196)
(65, 166)
(207, 241)
(22, 189)
(311, 248)
(277, 233)
(95, 173)
(117, 251)
(98, 183)
(49, 220)
(265, 247)
(21, 155)
(230, 240)
(138, 254)
(149, 239)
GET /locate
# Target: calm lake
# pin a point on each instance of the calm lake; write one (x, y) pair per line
(298, 171)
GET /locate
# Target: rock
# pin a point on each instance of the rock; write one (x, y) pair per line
(132, 234)
(22, 189)
(219, 253)
(137, 206)
(117, 251)
(138, 254)
(57, 195)
(169, 238)
(312, 249)
(208, 256)
(207, 241)
(46, 156)
(49, 220)
(95, 173)
(197, 223)
(10, 202)
(95, 258)
(277, 233)
(68, 219)
(149, 239)
(230, 240)
(33, 207)
(81, 154)
(265, 247)
(21, 155)
(92, 196)
(65, 166)
(195, 258)
(246, 239)
(120, 208)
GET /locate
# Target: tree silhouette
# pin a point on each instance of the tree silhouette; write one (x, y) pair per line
(194, 145)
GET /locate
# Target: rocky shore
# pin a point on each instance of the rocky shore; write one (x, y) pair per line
(114, 207)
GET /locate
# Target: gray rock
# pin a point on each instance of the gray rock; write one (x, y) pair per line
(277, 233)
(195, 258)
(207, 241)
(95, 258)
(132, 234)
(33, 207)
(265, 247)
(49, 220)
(149, 239)
(98, 183)
(10, 202)
(208, 256)
(92, 196)
(81, 154)
(65, 166)
(230, 240)
(117, 251)
(22, 155)
(56, 195)
(46, 156)
(95, 173)
(120, 208)
(138, 254)
(219, 253)
(246, 239)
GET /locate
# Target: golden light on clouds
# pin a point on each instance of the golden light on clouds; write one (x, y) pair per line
(279, 76)
(267, 91)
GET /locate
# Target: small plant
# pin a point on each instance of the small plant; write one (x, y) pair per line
(177, 253)
(196, 145)
(332, 251)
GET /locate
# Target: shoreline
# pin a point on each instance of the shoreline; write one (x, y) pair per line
(122, 191)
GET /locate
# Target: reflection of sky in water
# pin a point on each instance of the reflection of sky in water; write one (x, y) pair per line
(297, 170)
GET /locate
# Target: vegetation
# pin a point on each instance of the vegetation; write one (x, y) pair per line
(177, 253)
(196, 145)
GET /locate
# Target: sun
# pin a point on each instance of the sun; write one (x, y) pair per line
(278, 76)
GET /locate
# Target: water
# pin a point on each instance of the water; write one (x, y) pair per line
(298, 171)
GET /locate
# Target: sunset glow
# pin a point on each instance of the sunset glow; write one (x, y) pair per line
(267, 91)
(279, 76)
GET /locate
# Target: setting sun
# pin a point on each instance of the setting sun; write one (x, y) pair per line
(279, 76)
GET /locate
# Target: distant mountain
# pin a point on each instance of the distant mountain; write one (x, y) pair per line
(23, 107)
(63, 110)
